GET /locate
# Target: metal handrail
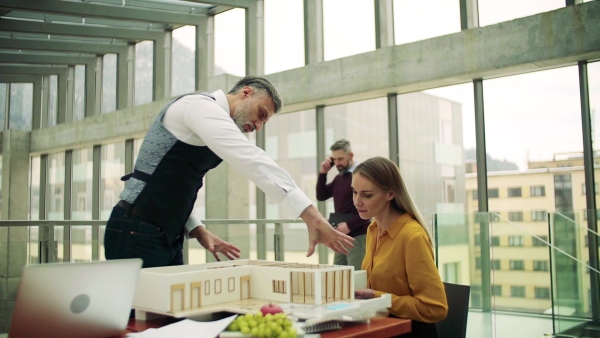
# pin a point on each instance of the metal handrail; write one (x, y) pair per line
(48, 250)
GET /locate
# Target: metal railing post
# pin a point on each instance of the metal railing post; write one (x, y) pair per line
(278, 239)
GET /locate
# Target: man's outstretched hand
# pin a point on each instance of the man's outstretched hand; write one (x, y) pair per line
(215, 244)
(320, 231)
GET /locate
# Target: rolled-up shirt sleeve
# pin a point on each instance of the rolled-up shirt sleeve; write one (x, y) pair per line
(216, 129)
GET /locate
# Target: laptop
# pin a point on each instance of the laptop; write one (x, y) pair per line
(78, 300)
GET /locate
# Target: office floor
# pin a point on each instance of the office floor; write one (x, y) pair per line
(502, 325)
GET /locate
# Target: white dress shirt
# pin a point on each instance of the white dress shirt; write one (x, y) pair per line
(198, 120)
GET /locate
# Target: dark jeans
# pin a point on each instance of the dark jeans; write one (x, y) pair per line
(129, 236)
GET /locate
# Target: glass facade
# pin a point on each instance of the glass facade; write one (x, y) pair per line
(524, 250)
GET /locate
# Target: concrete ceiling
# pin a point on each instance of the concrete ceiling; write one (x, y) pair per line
(43, 31)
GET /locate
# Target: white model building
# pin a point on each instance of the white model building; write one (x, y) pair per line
(239, 286)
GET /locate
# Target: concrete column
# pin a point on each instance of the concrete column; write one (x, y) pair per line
(205, 51)
(313, 31)
(162, 67)
(90, 89)
(13, 240)
(125, 77)
(61, 109)
(227, 197)
(255, 39)
(384, 23)
(469, 14)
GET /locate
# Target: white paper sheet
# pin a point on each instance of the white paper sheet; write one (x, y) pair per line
(186, 328)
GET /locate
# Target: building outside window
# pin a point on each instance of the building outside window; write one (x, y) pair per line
(497, 290)
(540, 265)
(539, 190)
(517, 265)
(539, 215)
(493, 193)
(517, 291)
(516, 240)
(537, 241)
(515, 216)
(514, 192)
(542, 293)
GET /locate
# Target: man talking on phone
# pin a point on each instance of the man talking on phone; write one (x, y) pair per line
(345, 219)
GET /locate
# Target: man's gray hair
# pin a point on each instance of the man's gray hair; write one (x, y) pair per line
(342, 144)
(260, 85)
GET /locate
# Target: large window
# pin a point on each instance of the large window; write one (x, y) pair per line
(284, 36)
(112, 157)
(291, 141)
(419, 20)
(183, 56)
(109, 83)
(230, 42)
(348, 27)
(493, 11)
(81, 188)
(55, 186)
(364, 124)
(144, 70)
(79, 93)
(21, 106)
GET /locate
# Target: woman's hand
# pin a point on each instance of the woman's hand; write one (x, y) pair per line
(364, 294)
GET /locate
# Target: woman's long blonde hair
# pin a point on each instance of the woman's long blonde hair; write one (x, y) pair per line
(386, 175)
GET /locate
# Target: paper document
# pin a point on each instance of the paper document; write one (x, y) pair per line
(187, 328)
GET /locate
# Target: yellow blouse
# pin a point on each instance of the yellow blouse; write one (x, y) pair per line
(402, 265)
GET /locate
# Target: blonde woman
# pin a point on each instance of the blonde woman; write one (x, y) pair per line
(399, 253)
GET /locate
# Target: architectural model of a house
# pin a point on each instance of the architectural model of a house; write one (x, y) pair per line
(239, 286)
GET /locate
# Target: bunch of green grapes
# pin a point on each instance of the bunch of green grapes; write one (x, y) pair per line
(267, 326)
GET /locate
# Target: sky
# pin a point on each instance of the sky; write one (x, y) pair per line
(529, 116)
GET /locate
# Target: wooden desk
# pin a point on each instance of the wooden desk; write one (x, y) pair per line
(379, 327)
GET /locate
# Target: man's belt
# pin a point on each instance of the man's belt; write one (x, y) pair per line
(132, 209)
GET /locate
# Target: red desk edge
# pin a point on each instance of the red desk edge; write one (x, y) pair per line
(378, 327)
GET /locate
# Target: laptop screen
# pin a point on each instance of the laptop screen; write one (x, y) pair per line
(91, 299)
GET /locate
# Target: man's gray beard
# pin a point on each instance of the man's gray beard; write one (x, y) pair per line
(242, 116)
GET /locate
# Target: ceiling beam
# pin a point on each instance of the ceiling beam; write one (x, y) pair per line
(46, 59)
(32, 70)
(76, 30)
(61, 46)
(105, 11)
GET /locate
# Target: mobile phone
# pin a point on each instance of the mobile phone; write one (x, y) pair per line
(331, 163)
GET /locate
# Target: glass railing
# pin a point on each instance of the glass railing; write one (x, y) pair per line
(572, 273)
(522, 273)
(530, 274)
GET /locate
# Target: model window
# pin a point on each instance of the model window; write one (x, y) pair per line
(278, 286)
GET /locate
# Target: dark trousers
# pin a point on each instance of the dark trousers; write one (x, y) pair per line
(130, 236)
(420, 330)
